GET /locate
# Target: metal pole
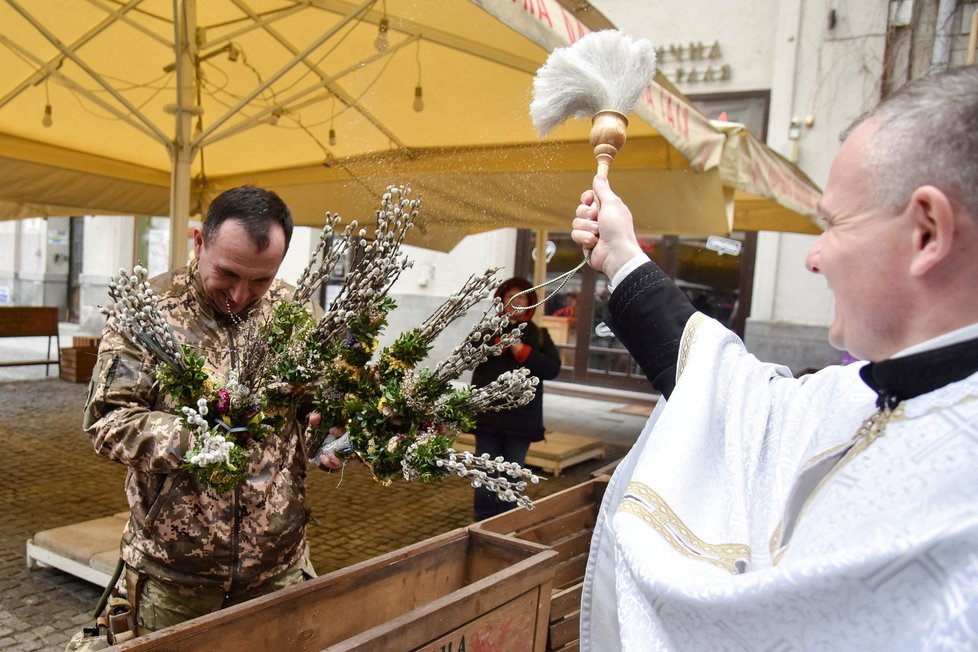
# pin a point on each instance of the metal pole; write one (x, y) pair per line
(540, 268)
(185, 45)
(973, 38)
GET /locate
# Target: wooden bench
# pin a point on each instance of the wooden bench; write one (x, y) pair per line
(89, 550)
(24, 321)
(554, 454)
(563, 521)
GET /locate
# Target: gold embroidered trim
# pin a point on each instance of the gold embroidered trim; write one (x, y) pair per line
(689, 334)
(775, 540)
(641, 501)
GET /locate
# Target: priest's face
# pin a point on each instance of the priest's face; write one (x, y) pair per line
(234, 272)
(861, 254)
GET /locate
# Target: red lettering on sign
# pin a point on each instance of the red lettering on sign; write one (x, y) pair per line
(537, 9)
(542, 9)
(575, 29)
(648, 96)
(773, 181)
(684, 115)
(671, 110)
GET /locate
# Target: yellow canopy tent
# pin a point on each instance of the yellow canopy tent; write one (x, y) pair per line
(100, 113)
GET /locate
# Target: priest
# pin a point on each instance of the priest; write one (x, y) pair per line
(838, 511)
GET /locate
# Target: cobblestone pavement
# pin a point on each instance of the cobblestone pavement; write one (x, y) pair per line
(52, 478)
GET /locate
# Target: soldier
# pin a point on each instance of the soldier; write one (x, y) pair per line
(190, 550)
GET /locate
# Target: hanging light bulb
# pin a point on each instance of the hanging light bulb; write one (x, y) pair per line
(418, 104)
(47, 121)
(380, 43)
(332, 136)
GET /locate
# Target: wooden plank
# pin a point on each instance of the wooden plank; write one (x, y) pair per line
(558, 464)
(570, 572)
(508, 627)
(566, 601)
(552, 530)
(516, 521)
(559, 445)
(578, 543)
(327, 609)
(564, 631)
(24, 363)
(486, 556)
(533, 574)
(573, 646)
(28, 321)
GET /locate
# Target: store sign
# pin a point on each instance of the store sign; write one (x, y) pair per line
(691, 63)
(723, 245)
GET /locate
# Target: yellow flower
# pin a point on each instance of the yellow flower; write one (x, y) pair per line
(397, 364)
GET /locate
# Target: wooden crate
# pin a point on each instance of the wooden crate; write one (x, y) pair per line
(77, 363)
(465, 589)
(564, 522)
(557, 452)
(85, 341)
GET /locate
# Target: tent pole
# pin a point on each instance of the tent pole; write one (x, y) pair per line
(185, 43)
(540, 268)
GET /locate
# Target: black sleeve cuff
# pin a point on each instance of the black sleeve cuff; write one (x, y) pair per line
(648, 313)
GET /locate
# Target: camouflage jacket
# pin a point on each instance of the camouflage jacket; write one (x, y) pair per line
(179, 530)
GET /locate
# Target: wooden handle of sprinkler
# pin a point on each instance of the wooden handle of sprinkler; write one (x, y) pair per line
(607, 137)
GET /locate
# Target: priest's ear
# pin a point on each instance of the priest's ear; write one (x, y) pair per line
(933, 218)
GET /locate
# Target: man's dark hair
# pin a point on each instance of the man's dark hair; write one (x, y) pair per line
(255, 208)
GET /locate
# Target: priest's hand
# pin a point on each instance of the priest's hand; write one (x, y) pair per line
(605, 227)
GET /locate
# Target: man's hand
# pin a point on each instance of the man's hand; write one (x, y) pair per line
(609, 232)
(327, 461)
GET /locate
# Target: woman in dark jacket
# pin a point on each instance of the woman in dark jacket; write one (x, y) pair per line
(509, 433)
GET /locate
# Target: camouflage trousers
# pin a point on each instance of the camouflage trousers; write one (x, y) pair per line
(160, 604)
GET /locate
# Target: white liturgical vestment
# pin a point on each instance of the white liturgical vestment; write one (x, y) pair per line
(760, 512)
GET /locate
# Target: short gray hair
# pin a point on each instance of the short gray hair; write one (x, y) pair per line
(927, 134)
